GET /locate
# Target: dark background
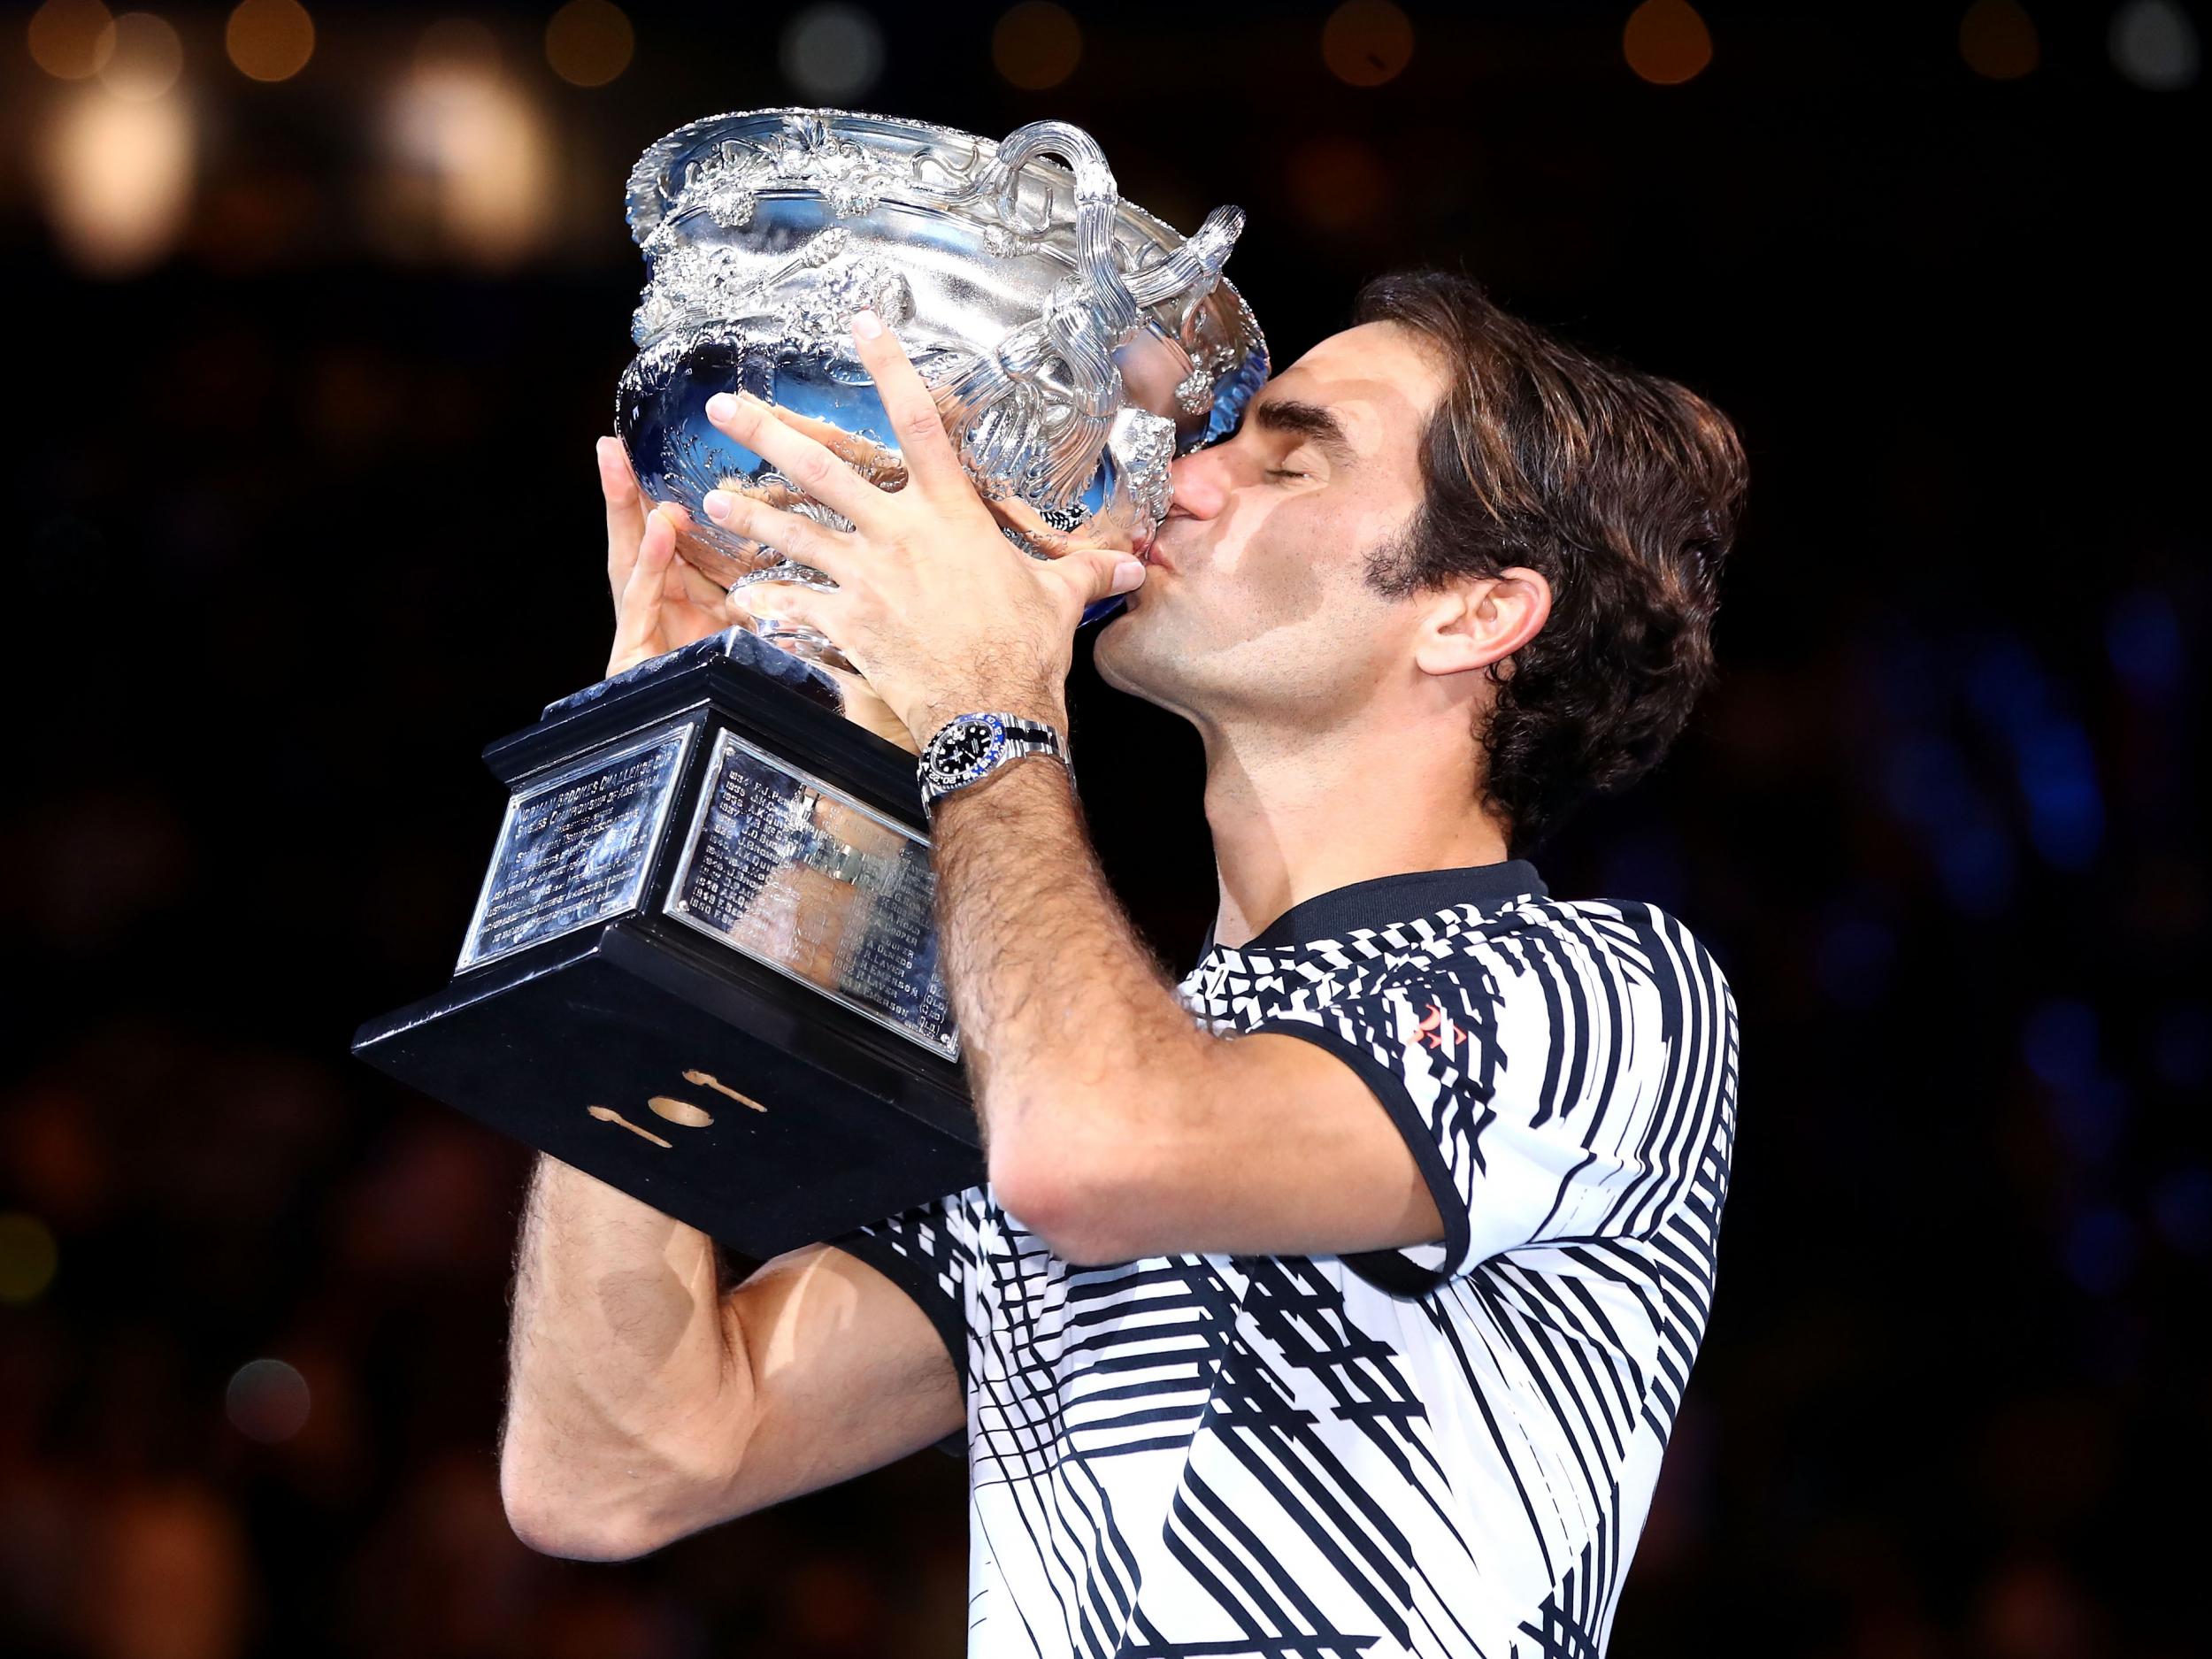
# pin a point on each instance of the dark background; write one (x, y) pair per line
(303, 512)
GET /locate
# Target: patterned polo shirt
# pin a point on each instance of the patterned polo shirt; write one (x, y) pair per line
(1447, 1449)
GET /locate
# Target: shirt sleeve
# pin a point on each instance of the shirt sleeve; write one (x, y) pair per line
(926, 1251)
(1533, 1076)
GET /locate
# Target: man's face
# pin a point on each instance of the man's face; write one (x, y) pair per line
(1256, 605)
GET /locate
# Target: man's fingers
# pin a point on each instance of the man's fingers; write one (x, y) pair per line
(790, 533)
(917, 427)
(811, 466)
(626, 510)
(791, 604)
(639, 626)
(1019, 515)
(706, 592)
(879, 464)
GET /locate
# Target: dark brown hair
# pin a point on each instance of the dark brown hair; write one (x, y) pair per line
(1621, 488)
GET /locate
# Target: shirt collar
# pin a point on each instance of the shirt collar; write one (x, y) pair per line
(1382, 900)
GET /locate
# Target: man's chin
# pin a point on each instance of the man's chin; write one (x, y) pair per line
(1116, 654)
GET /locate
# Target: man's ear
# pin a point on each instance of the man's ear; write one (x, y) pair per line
(1477, 620)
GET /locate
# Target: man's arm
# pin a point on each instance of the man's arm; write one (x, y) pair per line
(648, 1399)
(1116, 1127)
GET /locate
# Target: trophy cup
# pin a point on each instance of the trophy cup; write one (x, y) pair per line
(703, 965)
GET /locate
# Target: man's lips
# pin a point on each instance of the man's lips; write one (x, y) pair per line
(1148, 550)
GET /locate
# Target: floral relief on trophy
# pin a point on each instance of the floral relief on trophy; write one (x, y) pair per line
(728, 182)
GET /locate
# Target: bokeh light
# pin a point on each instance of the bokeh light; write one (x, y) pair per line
(1037, 45)
(1366, 42)
(2153, 45)
(70, 39)
(117, 174)
(831, 51)
(457, 43)
(588, 42)
(1998, 40)
(147, 60)
(267, 1401)
(1666, 42)
(29, 1257)
(476, 166)
(269, 40)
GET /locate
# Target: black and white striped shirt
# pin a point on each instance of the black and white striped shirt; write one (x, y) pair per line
(1448, 1449)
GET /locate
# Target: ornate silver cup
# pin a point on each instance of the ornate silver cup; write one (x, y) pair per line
(1076, 344)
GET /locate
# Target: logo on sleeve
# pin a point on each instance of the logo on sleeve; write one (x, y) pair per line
(1439, 1033)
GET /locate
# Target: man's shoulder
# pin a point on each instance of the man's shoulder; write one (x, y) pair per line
(1626, 938)
(1634, 935)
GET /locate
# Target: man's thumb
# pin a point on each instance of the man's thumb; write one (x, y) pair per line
(1099, 573)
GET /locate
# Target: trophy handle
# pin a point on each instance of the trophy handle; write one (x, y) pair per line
(1035, 415)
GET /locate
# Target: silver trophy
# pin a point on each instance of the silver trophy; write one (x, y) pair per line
(1075, 343)
(703, 965)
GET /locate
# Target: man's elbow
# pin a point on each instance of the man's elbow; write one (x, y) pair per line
(574, 1527)
(1086, 1216)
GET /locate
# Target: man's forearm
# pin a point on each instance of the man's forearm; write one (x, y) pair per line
(1069, 1026)
(619, 1346)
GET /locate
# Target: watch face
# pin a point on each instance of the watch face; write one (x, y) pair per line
(960, 750)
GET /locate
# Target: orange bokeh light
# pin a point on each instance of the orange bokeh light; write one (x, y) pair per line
(589, 42)
(1366, 42)
(269, 40)
(1037, 45)
(148, 57)
(1998, 40)
(72, 39)
(1666, 42)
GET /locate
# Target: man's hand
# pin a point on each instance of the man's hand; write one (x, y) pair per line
(941, 613)
(660, 600)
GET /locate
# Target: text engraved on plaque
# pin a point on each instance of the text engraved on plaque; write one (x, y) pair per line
(804, 878)
(574, 849)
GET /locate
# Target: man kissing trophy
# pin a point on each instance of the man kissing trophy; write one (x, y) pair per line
(703, 965)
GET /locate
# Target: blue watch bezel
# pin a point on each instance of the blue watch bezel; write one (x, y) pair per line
(984, 762)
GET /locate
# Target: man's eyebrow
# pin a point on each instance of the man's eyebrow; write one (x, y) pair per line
(1301, 419)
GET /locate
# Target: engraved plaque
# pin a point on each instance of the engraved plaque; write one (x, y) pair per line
(803, 877)
(573, 849)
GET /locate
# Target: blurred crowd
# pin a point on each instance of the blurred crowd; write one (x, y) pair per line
(305, 514)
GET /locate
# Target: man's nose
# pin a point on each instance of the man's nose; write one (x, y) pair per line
(1201, 485)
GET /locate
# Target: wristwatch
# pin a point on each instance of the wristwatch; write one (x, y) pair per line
(969, 747)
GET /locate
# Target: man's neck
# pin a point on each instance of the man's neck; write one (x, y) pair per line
(1290, 823)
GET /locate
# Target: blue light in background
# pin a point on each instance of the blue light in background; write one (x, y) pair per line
(2181, 1046)
(1854, 956)
(2058, 774)
(2181, 1205)
(2052, 757)
(2101, 1249)
(2003, 683)
(1925, 781)
(2090, 1120)
(2143, 636)
(1974, 858)
(2059, 1043)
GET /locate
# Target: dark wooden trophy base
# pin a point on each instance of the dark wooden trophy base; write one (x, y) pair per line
(697, 970)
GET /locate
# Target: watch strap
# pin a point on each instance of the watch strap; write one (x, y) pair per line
(1014, 737)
